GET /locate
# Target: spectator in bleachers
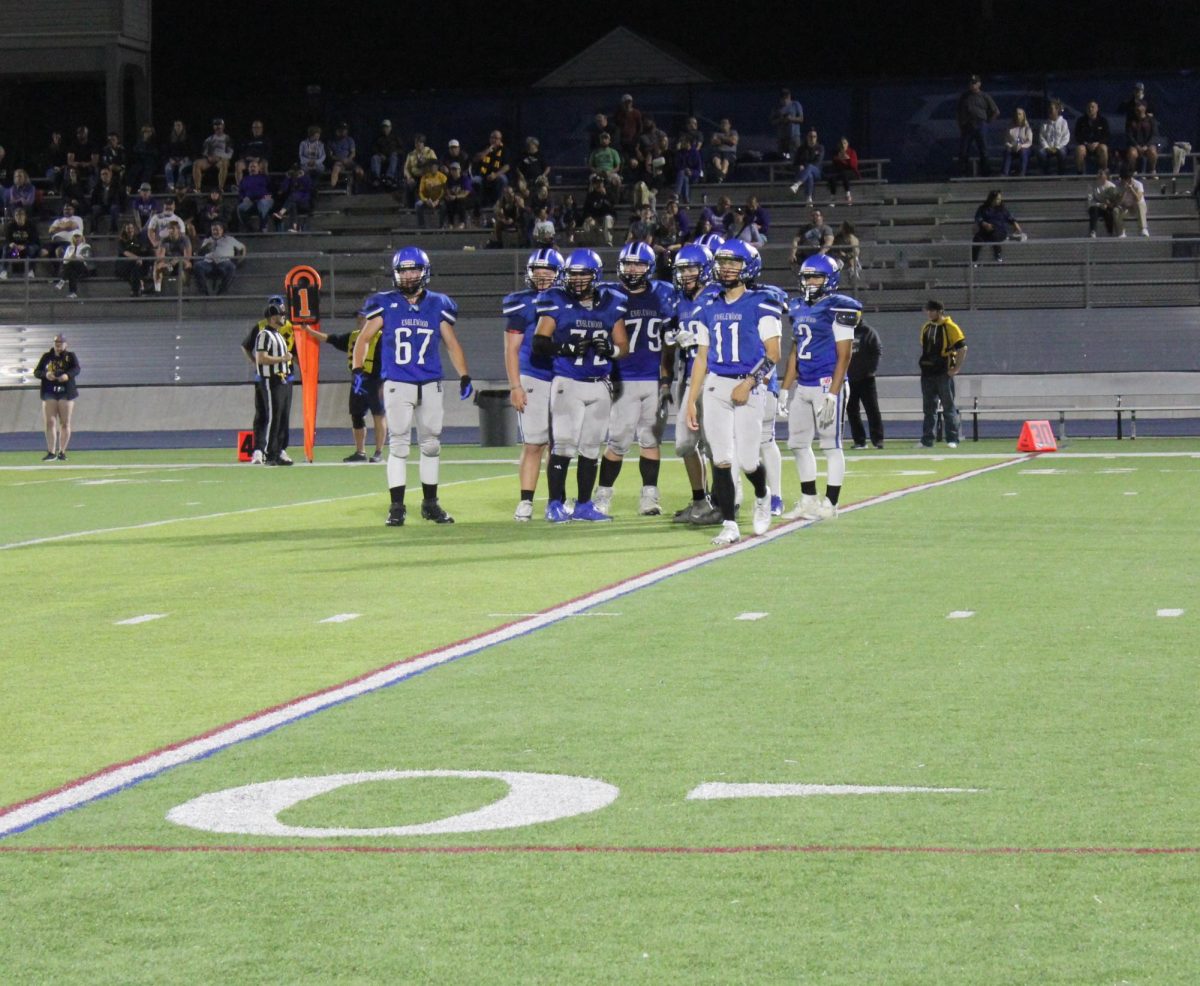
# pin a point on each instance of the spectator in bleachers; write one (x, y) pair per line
(1102, 202)
(566, 218)
(209, 210)
(751, 222)
(993, 224)
(532, 165)
(605, 161)
(689, 167)
(1091, 139)
(312, 154)
(385, 156)
(114, 157)
(543, 233)
(457, 196)
(787, 118)
(1017, 143)
(56, 160)
(256, 148)
(650, 147)
(810, 156)
(1053, 137)
(975, 110)
(76, 264)
(431, 195)
(343, 153)
(84, 157)
(598, 212)
(143, 160)
(144, 205)
(179, 156)
(297, 193)
(160, 222)
(136, 259)
(643, 227)
(1141, 132)
(74, 188)
(842, 167)
(815, 236)
(691, 130)
(216, 152)
(675, 229)
(414, 167)
(22, 245)
(1131, 203)
(454, 154)
(1130, 104)
(106, 203)
(21, 194)
(724, 142)
(491, 169)
(627, 123)
(186, 208)
(539, 195)
(219, 258)
(63, 229)
(719, 216)
(598, 126)
(254, 197)
(507, 216)
(846, 249)
(173, 257)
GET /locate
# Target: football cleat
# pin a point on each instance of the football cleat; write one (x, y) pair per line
(377, 457)
(729, 534)
(356, 457)
(648, 505)
(761, 518)
(685, 515)
(284, 458)
(62, 456)
(708, 515)
(776, 506)
(602, 500)
(396, 515)
(432, 510)
(556, 513)
(49, 456)
(826, 510)
(524, 510)
(587, 511)
(257, 458)
(805, 508)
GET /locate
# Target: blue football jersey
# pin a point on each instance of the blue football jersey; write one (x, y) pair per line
(574, 322)
(410, 343)
(648, 314)
(520, 310)
(734, 331)
(817, 329)
(687, 316)
(781, 298)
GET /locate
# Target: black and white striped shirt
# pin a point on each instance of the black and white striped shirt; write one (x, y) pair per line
(270, 342)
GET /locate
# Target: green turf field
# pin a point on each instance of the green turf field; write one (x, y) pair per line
(1065, 702)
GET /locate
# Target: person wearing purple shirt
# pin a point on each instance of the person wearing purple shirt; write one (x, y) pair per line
(689, 167)
(254, 195)
(297, 194)
(143, 205)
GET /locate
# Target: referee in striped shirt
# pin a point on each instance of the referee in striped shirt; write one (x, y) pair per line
(273, 384)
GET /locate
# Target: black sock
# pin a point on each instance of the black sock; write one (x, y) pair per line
(527, 495)
(833, 492)
(397, 495)
(698, 495)
(429, 490)
(758, 479)
(585, 478)
(809, 487)
(610, 469)
(723, 490)
(649, 470)
(556, 476)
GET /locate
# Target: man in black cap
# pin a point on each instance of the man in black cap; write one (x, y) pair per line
(976, 109)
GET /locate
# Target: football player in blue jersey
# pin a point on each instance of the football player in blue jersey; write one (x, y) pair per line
(529, 376)
(738, 346)
(823, 324)
(635, 412)
(769, 448)
(414, 323)
(582, 327)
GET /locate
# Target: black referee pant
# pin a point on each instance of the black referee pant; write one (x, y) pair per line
(272, 414)
(863, 392)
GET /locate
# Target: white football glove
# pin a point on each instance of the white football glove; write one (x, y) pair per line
(828, 411)
(685, 338)
(781, 410)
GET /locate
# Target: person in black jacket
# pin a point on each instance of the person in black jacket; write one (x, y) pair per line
(57, 369)
(864, 361)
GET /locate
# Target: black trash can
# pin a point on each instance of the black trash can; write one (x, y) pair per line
(497, 419)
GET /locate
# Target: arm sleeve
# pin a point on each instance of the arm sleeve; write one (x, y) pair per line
(73, 367)
(341, 341)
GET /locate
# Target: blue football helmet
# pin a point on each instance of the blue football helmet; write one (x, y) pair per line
(635, 253)
(755, 265)
(583, 270)
(731, 252)
(545, 258)
(276, 305)
(411, 258)
(823, 266)
(711, 242)
(692, 256)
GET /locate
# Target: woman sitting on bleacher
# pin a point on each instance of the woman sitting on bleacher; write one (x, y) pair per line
(843, 167)
(1018, 143)
(993, 224)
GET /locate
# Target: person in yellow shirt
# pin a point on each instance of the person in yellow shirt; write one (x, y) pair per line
(943, 350)
(430, 195)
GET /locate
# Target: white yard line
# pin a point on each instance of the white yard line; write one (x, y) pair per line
(752, 616)
(341, 618)
(134, 620)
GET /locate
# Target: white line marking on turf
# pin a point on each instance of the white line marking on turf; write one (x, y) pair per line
(960, 614)
(341, 618)
(134, 620)
(716, 791)
(217, 516)
(1170, 612)
(1012, 494)
(23, 815)
(1043, 472)
(1130, 493)
(506, 616)
(751, 616)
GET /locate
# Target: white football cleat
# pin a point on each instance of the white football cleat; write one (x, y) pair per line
(602, 499)
(284, 457)
(729, 534)
(805, 508)
(257, 458)
(524, 510)
(826, 510)
(648, 505)
(762, 514)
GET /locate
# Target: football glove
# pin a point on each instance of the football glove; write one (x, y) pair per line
(358, 385)
(828, 411)
(616, 387)
(685, 338)
(781, 409)
(664, 399)
(602, 346)
(574, 347)
(465, 389)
